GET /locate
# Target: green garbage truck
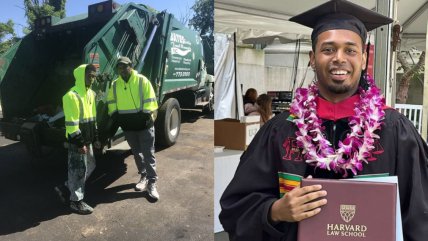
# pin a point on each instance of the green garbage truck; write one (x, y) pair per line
(37, 71)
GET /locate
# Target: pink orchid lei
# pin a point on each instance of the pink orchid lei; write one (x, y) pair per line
(355, 148)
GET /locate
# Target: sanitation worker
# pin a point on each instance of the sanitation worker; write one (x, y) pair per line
(81, 132)
(132, 104)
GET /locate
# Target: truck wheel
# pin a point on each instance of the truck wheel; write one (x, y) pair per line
(168, 123)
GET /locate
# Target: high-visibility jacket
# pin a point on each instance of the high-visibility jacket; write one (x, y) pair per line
(80, 111)
(132, 103)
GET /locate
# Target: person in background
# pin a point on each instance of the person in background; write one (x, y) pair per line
(264, 108)
(250, 99)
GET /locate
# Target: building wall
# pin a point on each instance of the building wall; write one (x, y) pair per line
(279, 71)
(250, 69)
(271, 70)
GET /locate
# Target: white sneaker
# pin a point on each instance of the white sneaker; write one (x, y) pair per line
(141, 185)
(152, 190)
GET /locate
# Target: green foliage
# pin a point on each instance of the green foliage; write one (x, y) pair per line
(203, 21)
(7, 36)
(7, 29)
(35, 9)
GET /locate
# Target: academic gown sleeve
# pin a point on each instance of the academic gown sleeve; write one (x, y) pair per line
(412, 172)
(246, 201)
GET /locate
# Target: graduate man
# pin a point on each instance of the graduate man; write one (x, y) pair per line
(337, 128)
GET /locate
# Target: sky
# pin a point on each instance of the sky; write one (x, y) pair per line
(14, 9)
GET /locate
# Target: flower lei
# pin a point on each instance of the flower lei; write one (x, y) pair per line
(355, 148)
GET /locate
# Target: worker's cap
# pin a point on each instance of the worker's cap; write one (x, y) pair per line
(341, 14)
(124, 60)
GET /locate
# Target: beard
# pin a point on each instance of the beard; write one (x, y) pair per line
(339, 88)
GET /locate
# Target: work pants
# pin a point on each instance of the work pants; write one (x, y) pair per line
(80, 167)
(142, 145)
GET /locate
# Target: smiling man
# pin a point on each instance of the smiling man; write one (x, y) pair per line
(339, 58)
(338, 127)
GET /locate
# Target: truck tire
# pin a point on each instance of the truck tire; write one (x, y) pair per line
(168, 123)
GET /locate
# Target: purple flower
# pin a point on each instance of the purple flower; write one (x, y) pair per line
(355, 148)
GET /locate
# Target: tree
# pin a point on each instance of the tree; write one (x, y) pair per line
(409, 73)
(185, 16)
(203, 21)
(7, 35)
(35, 9)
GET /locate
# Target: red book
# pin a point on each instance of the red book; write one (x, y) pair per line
(354, 211)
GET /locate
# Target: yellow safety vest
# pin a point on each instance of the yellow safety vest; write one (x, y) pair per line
(80, 109)
(132, 97)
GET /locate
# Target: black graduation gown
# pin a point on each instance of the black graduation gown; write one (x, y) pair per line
(247, 199)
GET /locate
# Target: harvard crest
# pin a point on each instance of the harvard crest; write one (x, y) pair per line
(347, 212)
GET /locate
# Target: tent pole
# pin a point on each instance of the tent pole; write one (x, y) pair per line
(236, 77)
(382, 61)
(425, 95)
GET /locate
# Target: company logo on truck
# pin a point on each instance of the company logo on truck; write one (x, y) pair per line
(180, 49)
(178, 38)
(180, 52)
(179, 46)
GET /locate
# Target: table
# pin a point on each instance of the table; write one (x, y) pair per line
(225, 164)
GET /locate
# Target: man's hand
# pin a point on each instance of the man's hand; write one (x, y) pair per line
(83, 150)
(97, 144)
(296, 205)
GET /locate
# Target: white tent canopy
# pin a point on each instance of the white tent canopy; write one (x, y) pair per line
(226, 91)
(273, 15)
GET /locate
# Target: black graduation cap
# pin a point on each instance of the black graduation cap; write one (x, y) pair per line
(341, 14)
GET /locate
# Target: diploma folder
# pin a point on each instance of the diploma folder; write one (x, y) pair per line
(354, 211)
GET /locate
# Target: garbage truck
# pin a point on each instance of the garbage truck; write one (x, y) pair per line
(37, 71)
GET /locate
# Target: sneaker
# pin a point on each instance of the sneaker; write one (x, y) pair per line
(81, 207)
(152, 190)
(63, 193)
(141, 185)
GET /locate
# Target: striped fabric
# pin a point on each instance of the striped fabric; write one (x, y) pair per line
(291, 117)
(288, 182)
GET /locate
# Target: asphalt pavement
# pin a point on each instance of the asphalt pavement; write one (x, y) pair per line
(30, 209)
